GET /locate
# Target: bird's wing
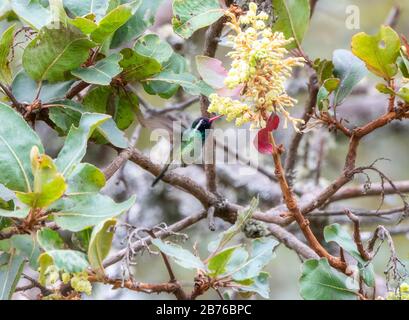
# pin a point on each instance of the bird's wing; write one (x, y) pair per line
(192, 143)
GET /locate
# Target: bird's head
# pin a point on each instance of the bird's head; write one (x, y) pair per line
(202, 124)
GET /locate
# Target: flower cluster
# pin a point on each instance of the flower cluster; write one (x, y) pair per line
(79, 280)
(401, 294)
(260, 67)
(80, 283)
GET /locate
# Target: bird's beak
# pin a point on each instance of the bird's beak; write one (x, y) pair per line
(215, 118)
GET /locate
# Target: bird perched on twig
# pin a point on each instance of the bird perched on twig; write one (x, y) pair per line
(191, 138)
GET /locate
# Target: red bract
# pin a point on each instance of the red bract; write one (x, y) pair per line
(262, 140)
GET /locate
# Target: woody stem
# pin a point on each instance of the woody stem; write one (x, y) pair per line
(295, 211)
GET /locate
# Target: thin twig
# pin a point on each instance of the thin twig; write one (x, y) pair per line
(292, 154)
(357, 235)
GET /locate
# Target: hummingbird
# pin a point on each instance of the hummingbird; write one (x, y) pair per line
(197, 133)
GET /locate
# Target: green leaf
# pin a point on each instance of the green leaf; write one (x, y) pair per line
(383, 88)
(329, 86)
(64, 260)
(85, 24)
(403, 93)
(75, 213)
(138, 67)
(6, 43)
(191, 15)
(176, 64)
(225, 237)
(81, 239)
(122, 105)
(15, 167)
(22, 245)
(6, 201)
(102, 72)
(319, 281)
(336, 233)
(69, 113)
(324, 69)
(49, 184)
(152, 46)
(100, 244)
(217, 264)
(181, 256)
(187, 81)
(11, 267)
(31, 12)
(19, 214)
(86, 7)
(113, 21)
(238, 258)
(292, 19)
(349, 70)
(49, 239)
(261, 255)
(25, 89)
(57, 52)
(379, 52)
(75, 145)
(367, 273)
(85, 178)
(259, 285)
(332, 84)
(403, 64)
(143, 18)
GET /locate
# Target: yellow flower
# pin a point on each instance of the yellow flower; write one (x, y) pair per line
(261, 66)
(80, 283)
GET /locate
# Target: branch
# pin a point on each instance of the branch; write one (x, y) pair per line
(395, 267)
(360, 213)
(292, 155)
(357, 235)
(313, 4)
(291, 242)
(178, 107)
(210, 47)
(296, 213)
(8, 234)
(178, 292)
(139, 245)
(76, 89)
(10, 95)
(393, 17)
(34, 284)
(117, 163)
(168, 287)
(375, 190)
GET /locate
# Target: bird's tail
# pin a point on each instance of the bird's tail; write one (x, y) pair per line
(160, 176)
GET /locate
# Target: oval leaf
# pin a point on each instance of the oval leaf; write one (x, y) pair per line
(16, 141)
(319, 281)
(56, 52)
(102, 72)
(293, 18)
(379, 52)
(76, 213)
(191, 15)
(181, 256)
(100, 244)
(349, 70)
